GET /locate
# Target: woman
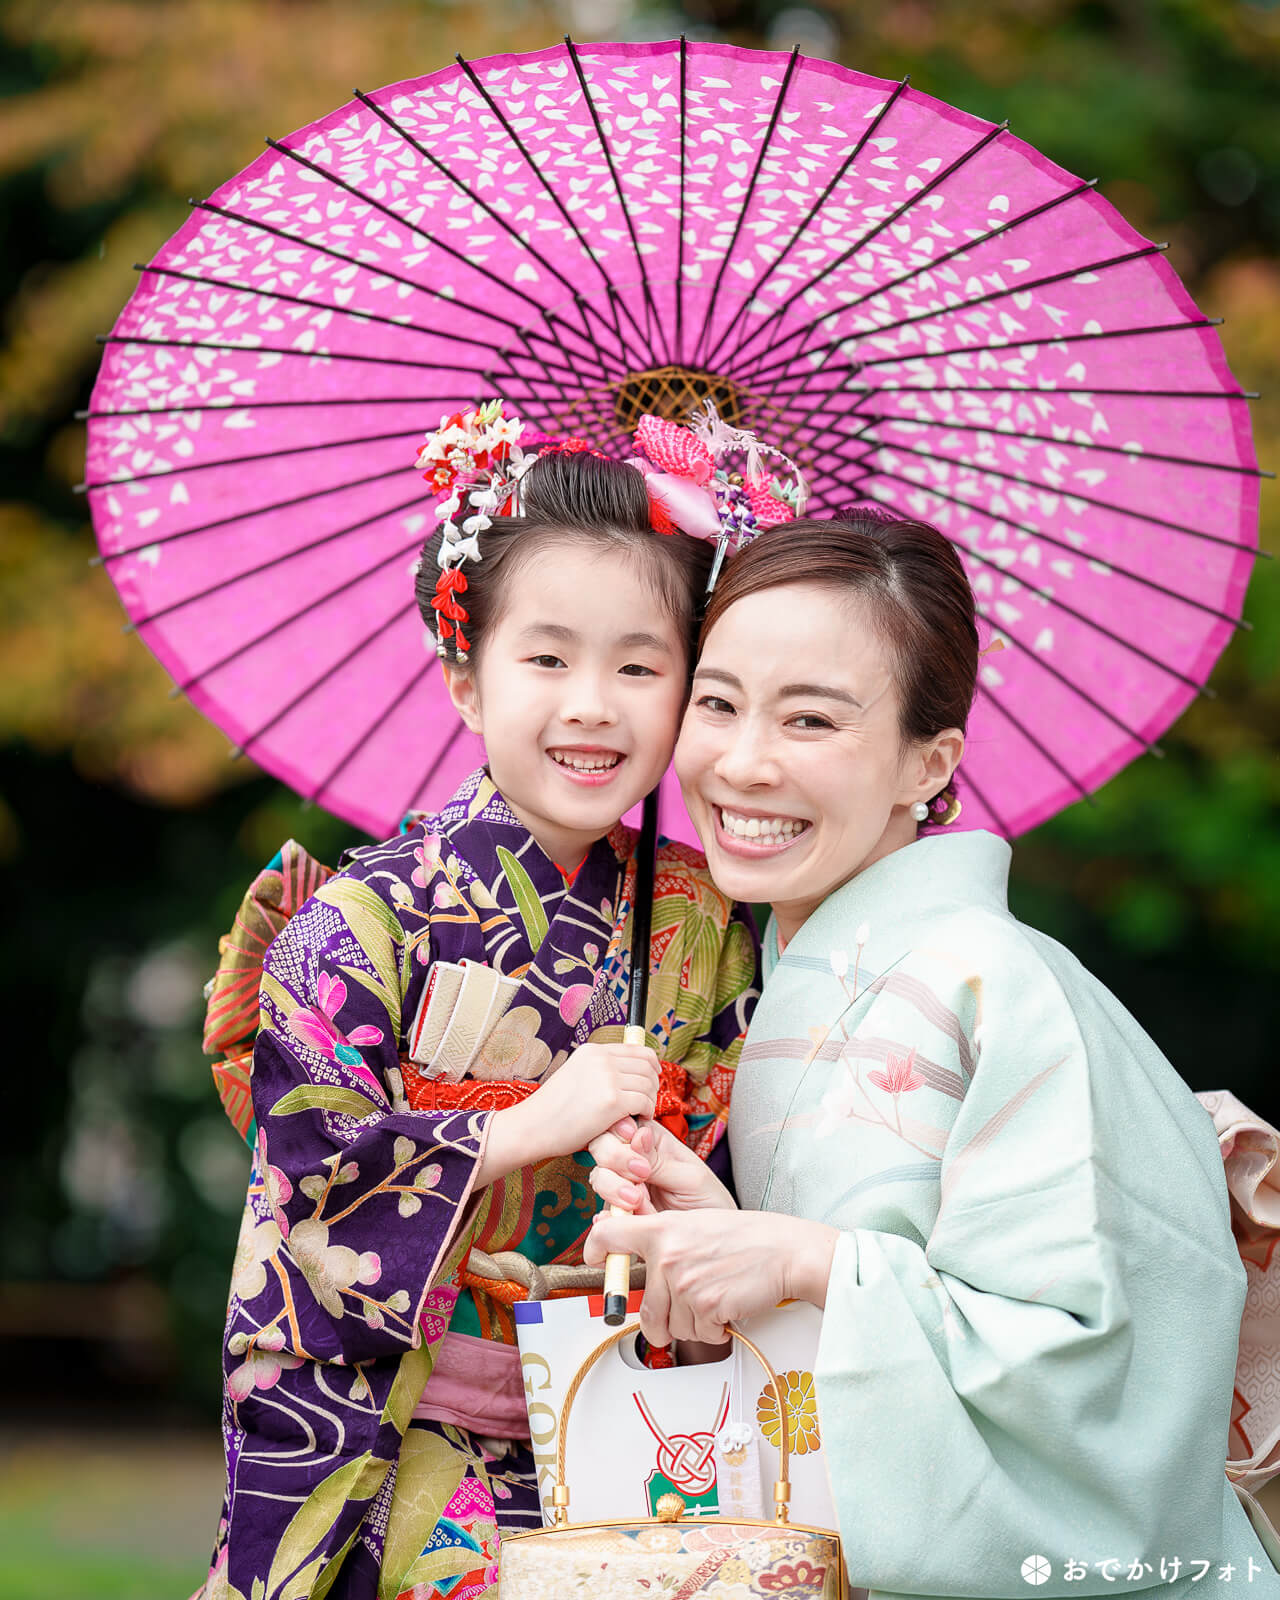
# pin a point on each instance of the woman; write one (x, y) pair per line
(944, 1131)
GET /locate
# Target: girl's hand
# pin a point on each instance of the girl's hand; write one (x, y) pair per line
(648, 1169)
(708, 1268)
(598, 1085)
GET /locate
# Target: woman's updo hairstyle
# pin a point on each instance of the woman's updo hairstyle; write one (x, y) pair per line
(572, 497)
(910, 578)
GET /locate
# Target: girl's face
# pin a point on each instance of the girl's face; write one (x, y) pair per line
(577, 694)
(790, 756)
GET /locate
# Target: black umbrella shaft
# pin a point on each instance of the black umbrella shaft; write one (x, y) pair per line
(642, 912)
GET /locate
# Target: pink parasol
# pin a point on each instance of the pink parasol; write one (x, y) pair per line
(918, 306)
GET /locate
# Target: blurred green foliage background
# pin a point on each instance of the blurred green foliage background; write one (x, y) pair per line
(126, 834)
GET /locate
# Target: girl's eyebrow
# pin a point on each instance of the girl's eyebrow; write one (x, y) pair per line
(788, 690)
(629, 641)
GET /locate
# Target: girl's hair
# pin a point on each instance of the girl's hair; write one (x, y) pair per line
(911, 580)
(584, 499)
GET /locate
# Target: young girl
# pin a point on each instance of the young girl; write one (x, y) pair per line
(370, 1373)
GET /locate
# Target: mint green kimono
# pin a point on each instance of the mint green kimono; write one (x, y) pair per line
(1030, 1332)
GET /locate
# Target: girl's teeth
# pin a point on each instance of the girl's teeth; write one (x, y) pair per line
(760, 827)
(585, 763)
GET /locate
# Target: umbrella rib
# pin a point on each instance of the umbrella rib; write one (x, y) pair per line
(334, 667)
(364, 266)
(995, 700)
(264, 566)
(1083, 187)
(283, 350)
(548, 316)
(1028, 344)
(709, 312)
(386, 711)
(684, 81)
(803, 381)
(489, 211)
(232, 287)
(816, 207)
(398, 277)
(279, 627)
(437, 761)
(1000, 823)
(651, 310)
(1072, 444)
(257, 511)
(781, 309)
(1061, 605)
(879, 329)
(1070, 494)
(555, 199)
(237, 461)
(258, 405)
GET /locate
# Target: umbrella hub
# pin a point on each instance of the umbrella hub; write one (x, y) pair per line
(675, 392)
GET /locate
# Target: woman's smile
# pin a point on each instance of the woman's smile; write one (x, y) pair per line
(756, 833)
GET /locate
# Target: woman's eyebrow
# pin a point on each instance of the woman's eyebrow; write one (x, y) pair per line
(788, 690)
(823, 691)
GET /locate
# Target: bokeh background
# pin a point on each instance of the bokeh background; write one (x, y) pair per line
(127, 834)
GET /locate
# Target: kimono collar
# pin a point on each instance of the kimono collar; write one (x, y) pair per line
(896, 898)
(479, 820)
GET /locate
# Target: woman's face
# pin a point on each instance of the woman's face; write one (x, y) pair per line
(790, 756)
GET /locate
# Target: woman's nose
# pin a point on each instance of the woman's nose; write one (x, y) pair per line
(746, 759)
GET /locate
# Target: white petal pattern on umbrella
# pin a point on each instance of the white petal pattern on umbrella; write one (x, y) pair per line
(921, 308)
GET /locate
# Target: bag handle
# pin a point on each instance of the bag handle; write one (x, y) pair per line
(781, 1487)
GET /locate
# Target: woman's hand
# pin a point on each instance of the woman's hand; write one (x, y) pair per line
(708, 1268)
(598, 1086)
(648, 1169)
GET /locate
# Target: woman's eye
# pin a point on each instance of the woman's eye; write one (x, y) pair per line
(713, 702)
(545, 661)
(810, 719)
(634, 669)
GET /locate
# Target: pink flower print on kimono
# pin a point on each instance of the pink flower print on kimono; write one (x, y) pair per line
(900, 1075)
(315, 1026)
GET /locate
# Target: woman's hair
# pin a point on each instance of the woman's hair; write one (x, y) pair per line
(583, 499)
(911, 580)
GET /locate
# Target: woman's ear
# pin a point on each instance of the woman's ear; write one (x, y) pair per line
(464, 692)
(930, 767)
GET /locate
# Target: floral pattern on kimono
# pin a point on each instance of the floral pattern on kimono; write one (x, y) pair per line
(361, 1210)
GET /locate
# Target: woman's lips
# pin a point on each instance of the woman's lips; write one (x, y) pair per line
(584, 767)
(764, 844)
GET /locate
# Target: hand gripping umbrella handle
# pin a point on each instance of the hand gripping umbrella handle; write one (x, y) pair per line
(617, 1267)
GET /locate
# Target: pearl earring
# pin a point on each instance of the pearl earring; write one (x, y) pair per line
(920, 811)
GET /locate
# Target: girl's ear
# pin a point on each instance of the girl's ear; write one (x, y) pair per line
(464, 692)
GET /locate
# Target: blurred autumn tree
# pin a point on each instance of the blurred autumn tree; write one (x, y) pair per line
(126, 832)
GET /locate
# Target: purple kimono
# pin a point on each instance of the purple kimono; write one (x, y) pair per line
(361, 1210)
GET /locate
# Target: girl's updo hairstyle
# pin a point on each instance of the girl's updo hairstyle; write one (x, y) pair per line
(572, 497)
(911, 580)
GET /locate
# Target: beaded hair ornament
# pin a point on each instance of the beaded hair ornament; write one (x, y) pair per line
(475, 459)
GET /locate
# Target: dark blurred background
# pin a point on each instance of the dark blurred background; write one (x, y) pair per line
(127, 835)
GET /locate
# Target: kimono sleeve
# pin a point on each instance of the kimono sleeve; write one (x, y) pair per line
(711, 1059)
(371, 1202)
(1049, 1372)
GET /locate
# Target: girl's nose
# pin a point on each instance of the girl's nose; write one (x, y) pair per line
(587, 702)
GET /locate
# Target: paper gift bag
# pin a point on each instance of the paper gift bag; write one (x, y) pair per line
(709, 1433)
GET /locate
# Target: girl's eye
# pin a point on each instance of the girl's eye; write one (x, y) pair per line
(713, 702)
(545, 661)
(635, 670)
